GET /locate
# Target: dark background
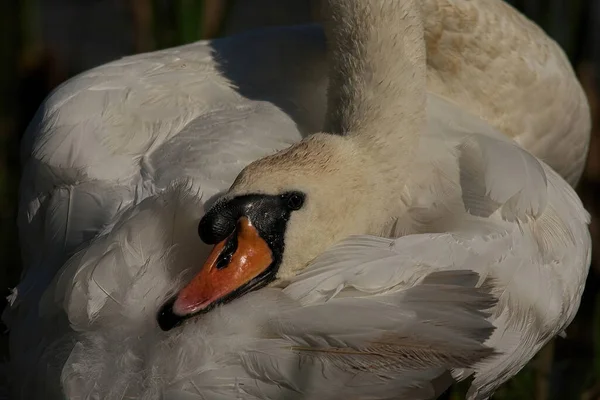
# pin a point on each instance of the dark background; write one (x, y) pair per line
(44, 42)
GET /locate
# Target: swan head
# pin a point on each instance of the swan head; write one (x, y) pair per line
(280, 213)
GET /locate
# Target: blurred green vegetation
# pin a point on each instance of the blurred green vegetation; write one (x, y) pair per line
(34, 61)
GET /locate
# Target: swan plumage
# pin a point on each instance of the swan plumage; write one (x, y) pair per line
(107, 235)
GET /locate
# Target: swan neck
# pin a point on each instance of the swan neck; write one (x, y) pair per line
(377, 76)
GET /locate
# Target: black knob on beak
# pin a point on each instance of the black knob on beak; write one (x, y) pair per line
(217, 224)
(220, 221)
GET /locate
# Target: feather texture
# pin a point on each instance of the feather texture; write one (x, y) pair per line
(279, 346)
(481, 269)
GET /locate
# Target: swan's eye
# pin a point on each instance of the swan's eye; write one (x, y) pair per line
(294, 200)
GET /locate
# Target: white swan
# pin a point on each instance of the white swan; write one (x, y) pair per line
(105, 148)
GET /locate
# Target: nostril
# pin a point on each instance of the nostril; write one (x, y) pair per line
(227, 253)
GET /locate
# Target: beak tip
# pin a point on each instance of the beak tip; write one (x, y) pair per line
(174, 312)
(167, 318)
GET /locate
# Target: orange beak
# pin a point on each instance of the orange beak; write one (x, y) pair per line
(228, 269)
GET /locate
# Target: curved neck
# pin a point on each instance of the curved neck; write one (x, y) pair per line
(377, 77)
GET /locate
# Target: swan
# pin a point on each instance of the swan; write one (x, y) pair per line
(466, 254)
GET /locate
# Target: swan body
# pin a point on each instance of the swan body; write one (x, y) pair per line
(528, 70)
(108, 232)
